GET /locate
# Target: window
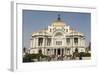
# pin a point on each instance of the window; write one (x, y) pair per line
(40, 41)
(76, 40)
(66, 30)
(48, 41)
(76, 50)
(48, 49)
(59, 34)
(58, 42)
(68, 40)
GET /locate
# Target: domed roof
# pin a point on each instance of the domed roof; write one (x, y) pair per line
(58, 22)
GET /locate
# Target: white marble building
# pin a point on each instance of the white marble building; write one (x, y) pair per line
(58, 39)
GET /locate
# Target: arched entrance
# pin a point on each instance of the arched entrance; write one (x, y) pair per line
(40, 51)
(60, 51)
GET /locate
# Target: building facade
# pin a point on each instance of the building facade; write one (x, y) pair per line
(57, 39)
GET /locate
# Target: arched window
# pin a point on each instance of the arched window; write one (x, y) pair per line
(68, 40)
(76, 50)
(48, 41)
(76, 40)
(40, 51)
(40, 41)
(66, 30)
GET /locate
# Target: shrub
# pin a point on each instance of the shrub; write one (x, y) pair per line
(83, 54)
(30, 57)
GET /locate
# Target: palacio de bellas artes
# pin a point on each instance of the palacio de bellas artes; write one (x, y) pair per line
(57, 42)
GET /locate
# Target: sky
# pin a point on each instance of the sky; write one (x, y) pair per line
(36, 20)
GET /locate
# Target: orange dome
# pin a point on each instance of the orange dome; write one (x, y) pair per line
(58, 22)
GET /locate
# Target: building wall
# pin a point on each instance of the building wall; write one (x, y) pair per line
(58, 36)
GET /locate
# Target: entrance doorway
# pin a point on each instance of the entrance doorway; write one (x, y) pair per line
(58, 52)
(40, 51)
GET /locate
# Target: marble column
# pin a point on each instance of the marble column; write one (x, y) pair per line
(56, 51)
(52, 41)
(52, 51)
(36, 42)
(60, 51)
(43, 42)
(64, 51)
(78, 41)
